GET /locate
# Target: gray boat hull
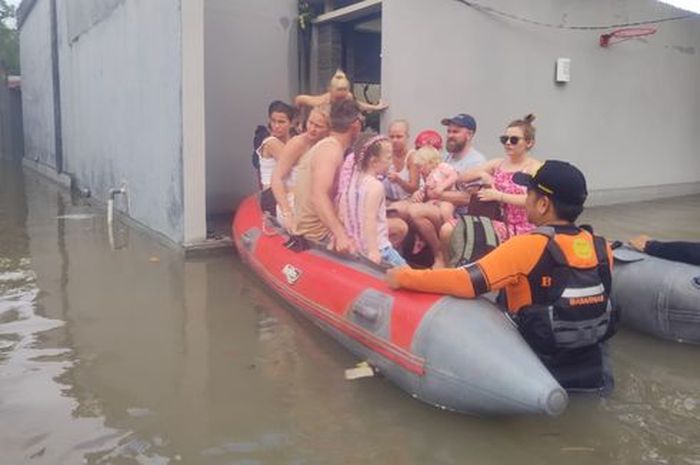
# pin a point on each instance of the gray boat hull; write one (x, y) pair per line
(476, 363)
(657, 296)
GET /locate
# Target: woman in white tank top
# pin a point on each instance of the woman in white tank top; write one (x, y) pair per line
(280, 117)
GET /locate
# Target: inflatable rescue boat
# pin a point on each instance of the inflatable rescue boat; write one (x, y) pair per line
(462, 355)
(656, 296)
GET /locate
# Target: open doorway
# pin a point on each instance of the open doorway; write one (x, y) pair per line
(348, 36)
(362, 46)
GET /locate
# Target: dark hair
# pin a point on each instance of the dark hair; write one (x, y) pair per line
(564, 211)
(526, 126)
(364, 153)
(279, 106)
(343, 114)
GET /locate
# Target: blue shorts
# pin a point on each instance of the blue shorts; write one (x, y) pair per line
(392, 257)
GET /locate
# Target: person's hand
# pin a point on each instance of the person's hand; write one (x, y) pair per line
(344, 245)
(436, 192)
(288, 222)
(393, 177)
(375, 256)
(391, 278)
(490, 195)
(640, 242)
(418, 196)
(381, 106)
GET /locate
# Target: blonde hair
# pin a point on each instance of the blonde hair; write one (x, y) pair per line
(324, 110)
(339, 81)
(427, 155)
(401, 122)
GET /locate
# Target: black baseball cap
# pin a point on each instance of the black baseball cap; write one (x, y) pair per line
(463, 120)
(556, 179)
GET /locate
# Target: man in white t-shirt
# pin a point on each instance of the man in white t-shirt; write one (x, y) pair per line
(425, 217)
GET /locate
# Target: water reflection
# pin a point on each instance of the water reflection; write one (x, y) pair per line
(136, 356)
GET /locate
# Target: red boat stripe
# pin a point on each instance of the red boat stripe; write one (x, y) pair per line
(396, 354)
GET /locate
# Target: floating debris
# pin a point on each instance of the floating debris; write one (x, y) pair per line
(362, 370)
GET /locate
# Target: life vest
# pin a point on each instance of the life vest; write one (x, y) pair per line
(571, 306)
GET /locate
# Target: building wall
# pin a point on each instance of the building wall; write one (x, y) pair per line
(250, 60)
(628, 118)
(120, 73)
(37, 85)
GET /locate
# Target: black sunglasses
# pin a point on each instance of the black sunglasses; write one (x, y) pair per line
(512, 140)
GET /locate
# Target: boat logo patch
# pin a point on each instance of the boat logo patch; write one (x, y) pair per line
(291, 273)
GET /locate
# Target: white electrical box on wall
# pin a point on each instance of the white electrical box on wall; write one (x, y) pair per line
(563, 70)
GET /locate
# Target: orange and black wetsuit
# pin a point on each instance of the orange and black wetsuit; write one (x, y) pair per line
(556, 284)
(520, 266)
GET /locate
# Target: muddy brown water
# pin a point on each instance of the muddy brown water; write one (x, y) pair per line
(135, 356)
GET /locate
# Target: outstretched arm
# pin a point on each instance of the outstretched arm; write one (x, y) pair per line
(482, 172)
(504, 265)
(494, 195)
(686, 252)
(310, 100)
(370, 107)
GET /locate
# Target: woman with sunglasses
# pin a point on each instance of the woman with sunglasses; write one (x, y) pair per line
(518, 140)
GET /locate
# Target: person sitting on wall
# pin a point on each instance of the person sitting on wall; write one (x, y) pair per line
(284, 175)
(677, 251)
(498, 185)
(338, 91)
(362, 203)
(426, 217)
(555, 282)
(316, 187)
(280, 116)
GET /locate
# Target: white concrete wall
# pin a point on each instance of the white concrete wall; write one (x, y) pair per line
(121, 86)
(629, 117)
(37, 86)
(250, 60)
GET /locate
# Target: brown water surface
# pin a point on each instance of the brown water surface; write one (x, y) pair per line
(135, 356)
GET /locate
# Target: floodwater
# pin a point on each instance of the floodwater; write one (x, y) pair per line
(135, 356)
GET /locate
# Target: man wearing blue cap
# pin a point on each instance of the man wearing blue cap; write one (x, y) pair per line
(462, 156)
(554, 282)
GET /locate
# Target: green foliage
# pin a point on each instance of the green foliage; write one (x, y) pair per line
(9, 38)
(306, 14)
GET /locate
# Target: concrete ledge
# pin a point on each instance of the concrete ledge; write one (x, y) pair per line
(62, 179)
(209, 247)
(639, 194)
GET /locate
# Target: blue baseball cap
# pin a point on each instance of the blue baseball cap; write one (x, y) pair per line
(462, 120)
